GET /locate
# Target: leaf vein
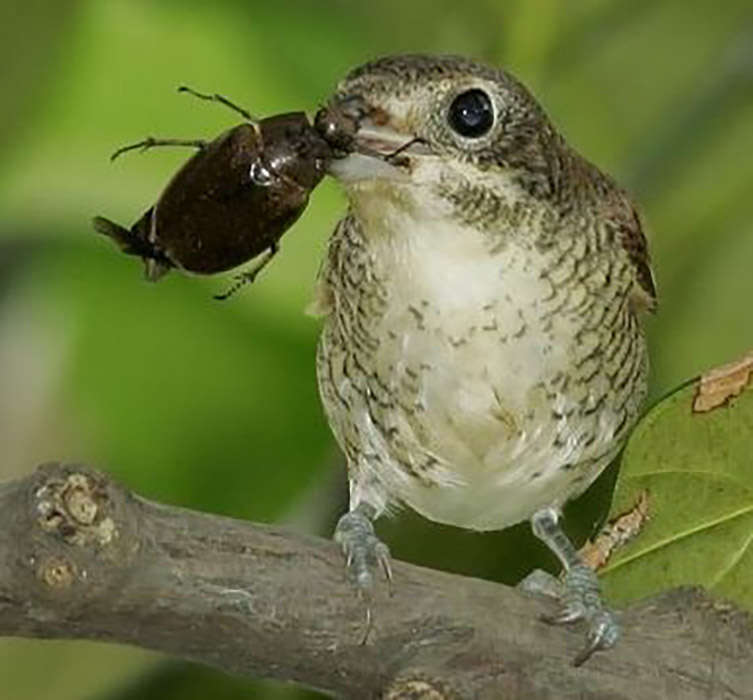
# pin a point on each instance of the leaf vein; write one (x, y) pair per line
(679, 536)
(693, 472)
(733, 562)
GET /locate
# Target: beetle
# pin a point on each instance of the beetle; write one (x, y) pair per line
(231, 201)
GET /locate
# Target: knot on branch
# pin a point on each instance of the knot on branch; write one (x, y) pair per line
(417, 689)
(73, 531)
(74, 507)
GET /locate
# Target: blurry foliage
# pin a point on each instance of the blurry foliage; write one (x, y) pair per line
(213, 405)
(186, 681)
(26, 75)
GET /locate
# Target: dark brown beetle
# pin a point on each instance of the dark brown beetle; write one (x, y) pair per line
(230, 202)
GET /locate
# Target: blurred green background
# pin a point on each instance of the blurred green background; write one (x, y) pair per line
(214, 406)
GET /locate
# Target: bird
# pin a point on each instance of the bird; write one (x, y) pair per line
(482, 357)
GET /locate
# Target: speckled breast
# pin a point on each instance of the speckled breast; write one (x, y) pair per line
(477, 378)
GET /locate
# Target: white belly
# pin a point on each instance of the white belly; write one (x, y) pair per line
(463, 346)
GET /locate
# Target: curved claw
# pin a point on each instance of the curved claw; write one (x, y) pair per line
(583, 602)
(602, 634)
(567, 616)
(384, 558)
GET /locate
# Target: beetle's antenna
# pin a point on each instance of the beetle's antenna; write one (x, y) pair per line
(222, 100)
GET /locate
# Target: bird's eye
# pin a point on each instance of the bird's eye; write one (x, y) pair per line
(471, 113)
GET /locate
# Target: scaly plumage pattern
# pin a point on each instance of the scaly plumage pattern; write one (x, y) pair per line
(482, 358)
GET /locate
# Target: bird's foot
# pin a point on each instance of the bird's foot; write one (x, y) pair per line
(579, 590)
(362, 549)
(581, 601)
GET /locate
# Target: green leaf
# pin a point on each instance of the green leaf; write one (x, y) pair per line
(697, 470)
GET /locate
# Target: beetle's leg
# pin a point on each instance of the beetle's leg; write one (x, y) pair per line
(151, 142)
(248, 276)
(225, 101)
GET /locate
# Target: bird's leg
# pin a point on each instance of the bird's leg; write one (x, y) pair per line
(361, 546)
(580, 591)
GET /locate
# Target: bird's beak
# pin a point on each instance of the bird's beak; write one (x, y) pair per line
(383, 141)
(368, 146)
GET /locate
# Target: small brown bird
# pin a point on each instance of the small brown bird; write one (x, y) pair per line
(482, 359)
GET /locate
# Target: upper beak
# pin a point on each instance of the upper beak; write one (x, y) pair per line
(384, 141)
(367, 144)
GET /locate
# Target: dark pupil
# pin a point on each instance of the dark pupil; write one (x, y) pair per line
(471, 113)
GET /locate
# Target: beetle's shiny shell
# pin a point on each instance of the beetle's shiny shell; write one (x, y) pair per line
(230, 201)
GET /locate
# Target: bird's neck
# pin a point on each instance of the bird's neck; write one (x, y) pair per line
(440, 199)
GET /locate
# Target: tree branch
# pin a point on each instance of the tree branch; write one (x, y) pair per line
(80, 557)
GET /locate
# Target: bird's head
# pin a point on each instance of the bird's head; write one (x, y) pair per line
(433, 125)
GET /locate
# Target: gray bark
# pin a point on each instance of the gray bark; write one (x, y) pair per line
(82, 558)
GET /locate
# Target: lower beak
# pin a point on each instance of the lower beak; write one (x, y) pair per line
(378, 152)
(358, 166)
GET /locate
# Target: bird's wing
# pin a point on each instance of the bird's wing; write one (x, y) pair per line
(630, 234)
